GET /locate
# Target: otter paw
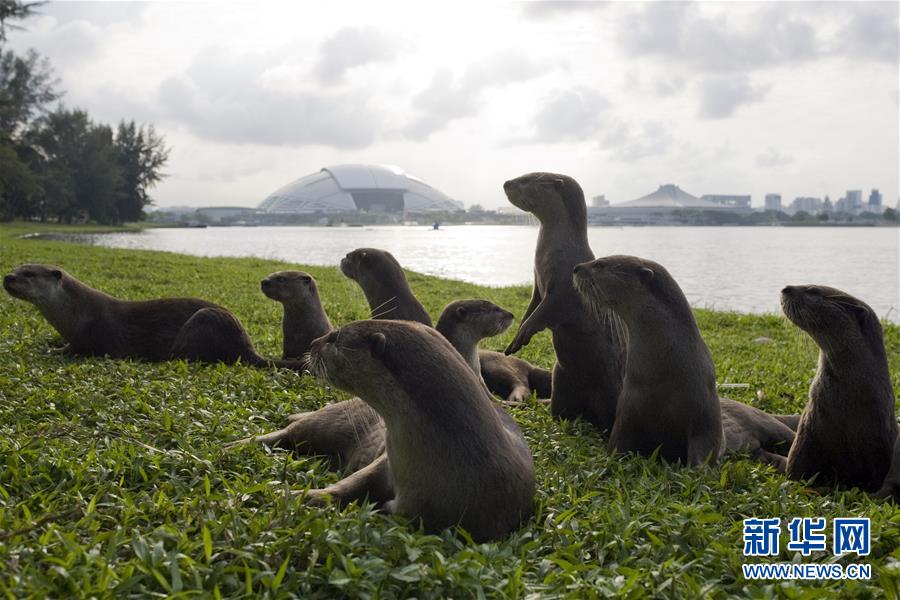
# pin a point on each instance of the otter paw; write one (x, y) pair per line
(296, 416)
(241, 442)
(315, 497)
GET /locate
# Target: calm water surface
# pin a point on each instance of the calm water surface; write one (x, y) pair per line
(733, 268)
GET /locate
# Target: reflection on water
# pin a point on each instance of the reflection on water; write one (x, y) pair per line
(734, 268)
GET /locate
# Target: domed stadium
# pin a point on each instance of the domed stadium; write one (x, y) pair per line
(352, 188)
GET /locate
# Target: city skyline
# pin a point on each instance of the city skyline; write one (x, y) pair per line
(751, 98)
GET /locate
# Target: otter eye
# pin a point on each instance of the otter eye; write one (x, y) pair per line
(814, 292)
(280, 278)
(306, 279)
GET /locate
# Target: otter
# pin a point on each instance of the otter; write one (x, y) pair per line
(350, 433)
(383, 282)
(215, 335)
(452, 457)
(890, 488)
(847, 429)
(97, 324)
(668, 398)
(587, 377)
(464, 323)
(304, 318)
(747, 429)
(390, 297)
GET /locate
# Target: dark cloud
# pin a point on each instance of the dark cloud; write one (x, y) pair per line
(872, 31)
(352, 47)
(721, 95)
(680, 32)
(220, 98)
(773, 158)
(448, 98)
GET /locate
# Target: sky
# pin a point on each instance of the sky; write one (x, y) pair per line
(796, 98)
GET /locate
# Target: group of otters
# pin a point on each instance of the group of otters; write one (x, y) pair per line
(423, 437)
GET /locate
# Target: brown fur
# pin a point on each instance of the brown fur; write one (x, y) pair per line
(847, 431)
(96, 324)
(749, 430)
(668, 399)
(383, 282)
(452, 457)
(587, 377)
(304, 318)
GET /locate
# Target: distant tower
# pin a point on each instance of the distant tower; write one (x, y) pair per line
(875, 201)
(854, 201)
(773, 201)
(599, 201)
(827, 206)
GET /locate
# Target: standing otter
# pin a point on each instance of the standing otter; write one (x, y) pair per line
(668, 399)
(587, 377)
(382, 280)
(847, 430)
(390, 297)
(96, 324)
(452, 457)
(304, 318)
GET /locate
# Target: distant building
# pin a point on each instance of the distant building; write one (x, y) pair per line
(773, 201)
(854, 201)
(599, 200)
(827, 206)
(662, 206)
(357, 188)
(806, 204)
(875, 200)
(728, 200)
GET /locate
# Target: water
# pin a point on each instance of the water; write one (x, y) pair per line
(726, 268)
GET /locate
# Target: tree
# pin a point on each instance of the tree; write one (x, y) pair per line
(15, 10)
(26, 88)
(141, 155)
(890, 215)
(18, 186)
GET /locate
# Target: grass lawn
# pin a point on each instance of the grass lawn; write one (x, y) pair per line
(113, 481)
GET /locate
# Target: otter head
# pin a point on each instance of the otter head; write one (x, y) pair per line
(613, 282)
(37, 284)
(477, 319)
(361, 262)
(834, 319)
(289, 286)
(548, 196)
(395, 366)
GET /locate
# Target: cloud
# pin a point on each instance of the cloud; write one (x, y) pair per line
(541, 9)
(448, 98)
(872, 31)
(773, 158)
(574, 115)
(681, 33)
(582, 115)
(721, 95)
(352, 47)
(223, 98)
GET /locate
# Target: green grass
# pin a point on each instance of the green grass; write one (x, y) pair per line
(113, 481)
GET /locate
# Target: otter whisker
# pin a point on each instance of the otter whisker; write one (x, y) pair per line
(374, 309)
(379, 315)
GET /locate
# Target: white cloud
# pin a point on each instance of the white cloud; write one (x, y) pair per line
(351, 47)
(721, 95)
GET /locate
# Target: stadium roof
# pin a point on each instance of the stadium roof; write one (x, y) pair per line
(668, 196)
(347, 188)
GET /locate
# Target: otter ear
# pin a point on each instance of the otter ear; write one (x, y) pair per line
(378, 343)
(56, 273)
(645, 274)
(559, 183)
(461, 312)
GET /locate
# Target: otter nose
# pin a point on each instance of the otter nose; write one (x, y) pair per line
(508, 185)
(580, 268)
(9, 278)
(265, 283)
(789, 290)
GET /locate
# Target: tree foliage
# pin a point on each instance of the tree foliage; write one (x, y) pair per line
(57, 163)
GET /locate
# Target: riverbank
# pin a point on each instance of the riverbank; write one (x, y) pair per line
(113, 480)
